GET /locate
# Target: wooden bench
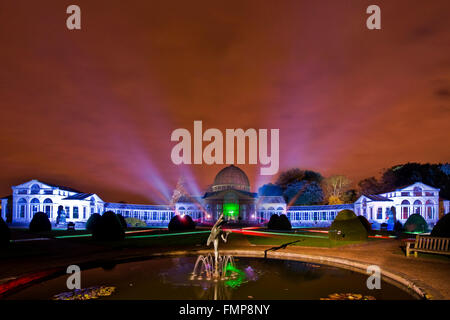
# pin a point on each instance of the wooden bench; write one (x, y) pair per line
(428, 244)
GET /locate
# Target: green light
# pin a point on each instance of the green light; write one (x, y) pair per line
(231, 209)
(75, 236)
(234, 283)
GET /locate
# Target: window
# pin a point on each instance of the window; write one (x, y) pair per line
(67, 211)
(429, 194)
(380, 213)
(429, 209)
(371, 213)
(22, 204)
(405, 209)
(417, 207)
(35, 189)
(34, 206)
(405, 194)
(75, 213)
(84, 212)
(48, 207)
(22, 191)
(417, 192)
(48, 191)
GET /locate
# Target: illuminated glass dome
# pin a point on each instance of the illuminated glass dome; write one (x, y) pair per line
(231, 178)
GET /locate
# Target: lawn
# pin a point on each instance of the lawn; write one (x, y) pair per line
(302, 240)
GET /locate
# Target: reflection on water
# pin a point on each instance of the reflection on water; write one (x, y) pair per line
(192, 277)
(216, 279)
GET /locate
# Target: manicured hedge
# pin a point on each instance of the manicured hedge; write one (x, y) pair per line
(5, 234)
(416, 223)
(181, 223)
(347, 226)
(93, 221)
(108, 228)
(40, 223)
(279, 222)
(365, 223)
(122, 221)
(442, 227)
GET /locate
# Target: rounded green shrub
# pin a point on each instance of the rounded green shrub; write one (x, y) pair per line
(273, 222)
(279, 222)
(365, 223)
(40, 223)
(442, 227)
(398, 227)
(135, 223)
(93, 220)
(347, 226)
(122, 221)
(5, 234)
(181, 223)
(416, 223)
(109, 228)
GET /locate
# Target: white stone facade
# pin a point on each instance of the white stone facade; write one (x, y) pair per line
(34, 196)
(416, 198)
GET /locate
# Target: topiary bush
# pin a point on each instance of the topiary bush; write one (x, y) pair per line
(135, 223)
(181, 223)
(416, 223)
(108, 228)
(398, 227)
(5, 234)
(40, 223)
(279, 222)
(442, 227)
(365, 223)
(273, 222)
(93, 220)
(347, 226)
(122, 221)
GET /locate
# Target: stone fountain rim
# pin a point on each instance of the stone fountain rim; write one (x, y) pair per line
(398, 279)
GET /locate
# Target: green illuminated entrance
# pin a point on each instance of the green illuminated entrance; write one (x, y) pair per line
(231, 210)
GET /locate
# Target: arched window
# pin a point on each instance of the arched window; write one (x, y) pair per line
(48, 207)
(417, 192)
(34, 204)
(405, 209)
(35, 189)
(429, 209)
(22, 207)
(417, 207)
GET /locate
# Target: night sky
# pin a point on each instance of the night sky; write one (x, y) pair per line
(94, 109)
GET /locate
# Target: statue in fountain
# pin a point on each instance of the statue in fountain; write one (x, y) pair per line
(218, 269)
(216, 234)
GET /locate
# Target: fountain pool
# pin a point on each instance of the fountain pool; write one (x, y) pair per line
(186, 277)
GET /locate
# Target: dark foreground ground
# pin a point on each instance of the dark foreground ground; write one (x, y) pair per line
(59, 249)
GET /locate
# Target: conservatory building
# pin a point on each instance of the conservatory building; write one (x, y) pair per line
(230, 194)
